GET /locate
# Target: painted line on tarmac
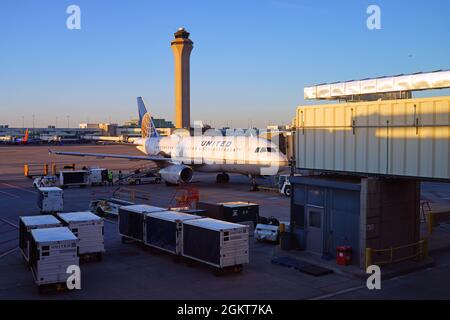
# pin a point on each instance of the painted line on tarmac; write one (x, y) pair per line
(10, 194)
(338, 293)
(18, 188)
(4, 254)
(9, 223)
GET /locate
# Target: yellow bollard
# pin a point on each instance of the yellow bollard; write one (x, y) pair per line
(430, 222)
(425, 248)
(26, 170)
(368, 257)
(282, 228)
(54, 169)
(45, 169)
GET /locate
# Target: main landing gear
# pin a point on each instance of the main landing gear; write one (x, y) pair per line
(223, 178)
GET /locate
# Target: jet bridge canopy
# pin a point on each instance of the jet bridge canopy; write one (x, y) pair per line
(384, 88)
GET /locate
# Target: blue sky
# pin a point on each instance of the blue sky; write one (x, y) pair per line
(250, 62)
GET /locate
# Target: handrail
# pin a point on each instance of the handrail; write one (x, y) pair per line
(420, 253)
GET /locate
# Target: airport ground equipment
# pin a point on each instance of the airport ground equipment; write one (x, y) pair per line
(197, 212)
(131, 221)
(52, 251)
(89, 229)
(186, 197)
(60, 166)
(45, 181)
(132, 195)
(163, 230)
(149, 177)
(237, 212)
(31, 170)
(28, 223)
(102, 207)
(98, 176)
(74, 178)
(50, 199)
(267, 232)
(285, 185)
(217, 243)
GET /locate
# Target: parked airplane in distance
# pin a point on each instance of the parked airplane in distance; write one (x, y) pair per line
(23, 140)
(178, 156)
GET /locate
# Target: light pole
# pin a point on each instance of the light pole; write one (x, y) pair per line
(68, 122)
(33, 119)
(23, 122)
(56, 122)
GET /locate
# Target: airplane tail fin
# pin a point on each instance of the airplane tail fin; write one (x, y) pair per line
(25, 139)
(145, 120)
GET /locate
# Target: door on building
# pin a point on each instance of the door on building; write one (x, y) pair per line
(314, 235)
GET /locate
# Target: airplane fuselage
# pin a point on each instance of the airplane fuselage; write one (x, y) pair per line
(246, 155)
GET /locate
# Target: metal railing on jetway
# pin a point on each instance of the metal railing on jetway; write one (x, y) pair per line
(413, 251)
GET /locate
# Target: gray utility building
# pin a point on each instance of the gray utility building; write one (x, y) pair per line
(376, 213)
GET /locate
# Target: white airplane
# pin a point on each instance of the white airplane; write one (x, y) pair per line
(178, 156)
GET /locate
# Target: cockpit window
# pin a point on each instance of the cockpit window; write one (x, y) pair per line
(264, 149)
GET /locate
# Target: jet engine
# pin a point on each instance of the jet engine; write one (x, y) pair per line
(176, 174)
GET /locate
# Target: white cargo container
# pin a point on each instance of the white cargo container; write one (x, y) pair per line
(131, 221)
(26, 224)
(98, 176)
(407, 137)
(89, 229)
(73, 178)
(52, 251)
(163, 230)
(214, 242)
(50, 199)
(267, 232)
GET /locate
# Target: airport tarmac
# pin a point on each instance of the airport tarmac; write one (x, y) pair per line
(127, 270)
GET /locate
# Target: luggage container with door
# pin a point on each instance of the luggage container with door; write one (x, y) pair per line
(98, 176)
(131, 221)
(26, 224)
(74, 178)
(52, 251)
(221, 244)
(89, 229)
(163, 230)
(50, 199)
(238, 212)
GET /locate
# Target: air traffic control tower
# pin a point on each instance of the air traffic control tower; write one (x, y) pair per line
(182, 47)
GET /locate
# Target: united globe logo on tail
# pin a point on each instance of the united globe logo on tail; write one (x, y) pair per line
(148, 128)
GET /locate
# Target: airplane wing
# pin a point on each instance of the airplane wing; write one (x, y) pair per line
(106, 155)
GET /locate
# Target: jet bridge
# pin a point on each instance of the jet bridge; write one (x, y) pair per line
(401, 137)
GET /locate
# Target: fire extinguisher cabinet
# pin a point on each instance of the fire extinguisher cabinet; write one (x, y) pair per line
(344, 255)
